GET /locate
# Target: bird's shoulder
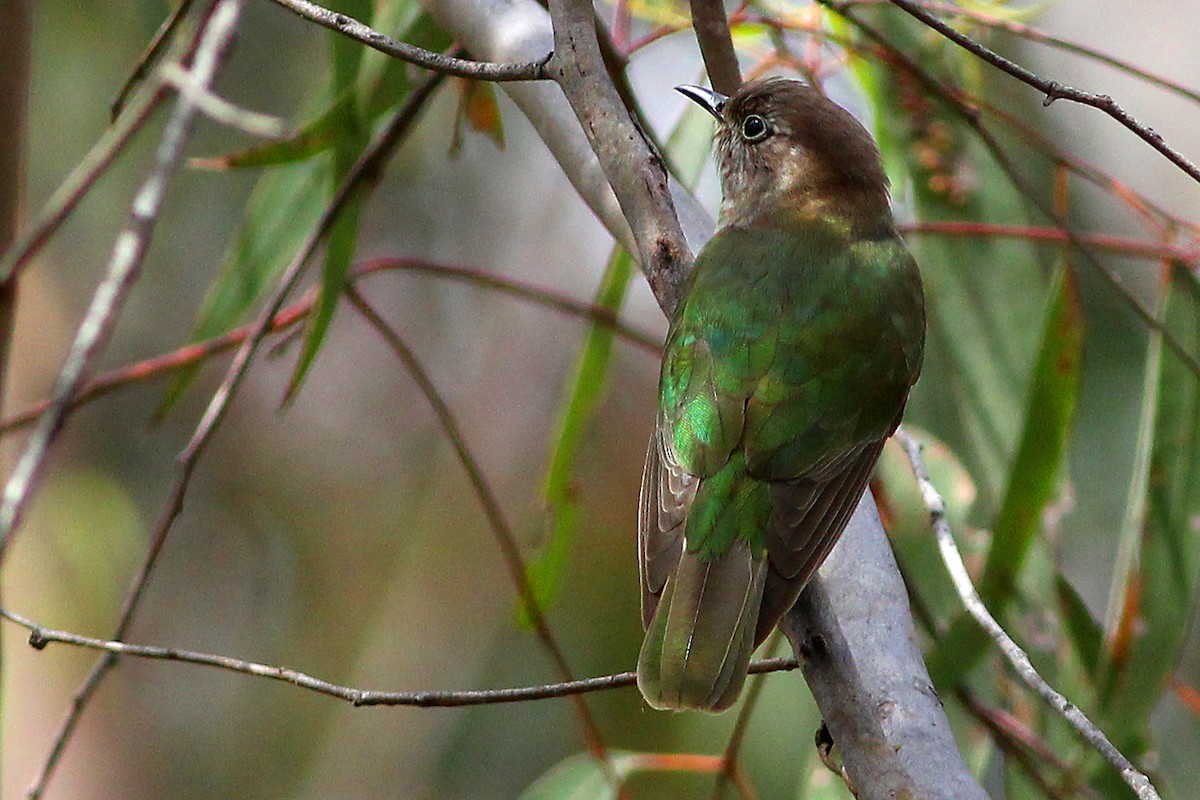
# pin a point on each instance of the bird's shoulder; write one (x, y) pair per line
(781, 338)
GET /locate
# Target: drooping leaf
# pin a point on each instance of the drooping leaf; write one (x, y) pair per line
(290, 196)
(1085, 633)
(282, 209)
(1033, 479)
(311, 140)
(1160, 593)
(342, 240)
(985, 297)
(583, 397)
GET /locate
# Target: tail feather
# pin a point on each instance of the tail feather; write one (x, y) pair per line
(698, 646)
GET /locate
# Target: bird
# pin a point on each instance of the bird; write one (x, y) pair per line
(788, 363)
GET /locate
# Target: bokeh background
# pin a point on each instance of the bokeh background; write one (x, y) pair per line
(338, 535)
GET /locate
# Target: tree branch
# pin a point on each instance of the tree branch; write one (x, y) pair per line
(1053, 90)
(1012, 652)
(852, 630)
(40, 636)
(634, 170)
(716, 45)
(123, 271)
(438, 62)
(366, 169)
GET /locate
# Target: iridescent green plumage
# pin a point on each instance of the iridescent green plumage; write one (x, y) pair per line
(786, 367)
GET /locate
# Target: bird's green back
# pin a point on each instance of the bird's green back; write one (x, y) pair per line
(794, 345)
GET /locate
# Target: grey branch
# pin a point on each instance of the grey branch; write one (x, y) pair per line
(635, 171)
(123, 270)
(479, 70)
(41, 636)
(853, 630)
(716, 45)
(1010, 649)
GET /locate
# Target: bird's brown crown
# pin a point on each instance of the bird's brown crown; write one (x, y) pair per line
(786, 151)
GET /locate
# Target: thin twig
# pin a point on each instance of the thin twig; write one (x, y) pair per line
(1012, 652)
(1053, 90)
(954, 96)
(40, 636)
(1138, 248)
(438, 62)
(217, 108)
(1029, 749)
(491, 508)
(80, 181)
(157, 45)
(716, 45)
(365, 171)
(1030, 33)
(182, 357)
(123, 271)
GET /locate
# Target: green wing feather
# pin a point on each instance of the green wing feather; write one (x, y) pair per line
(785, 369)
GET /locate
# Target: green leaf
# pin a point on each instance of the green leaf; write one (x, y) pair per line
(1162, 587)
(1033, 478)
(282, 209)
(582, 777)
(1086, 635)
(289, 199)
(583, 397)
(311, 140)
(1049, 415)
(985, 297)
(343, 236)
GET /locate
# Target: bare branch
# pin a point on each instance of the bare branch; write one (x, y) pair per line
(40, 636)
(634, 170)
(1011, 651)
(449, 65)
(123, 270)
(1137, 248)
(1033, 34)
(217, 108)
(1053, 90)
(79, 182)
(716, 45)
(867, 574)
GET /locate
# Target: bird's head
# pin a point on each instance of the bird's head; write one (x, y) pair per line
(786, 150)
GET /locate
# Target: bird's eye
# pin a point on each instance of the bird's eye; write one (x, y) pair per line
(754, 128)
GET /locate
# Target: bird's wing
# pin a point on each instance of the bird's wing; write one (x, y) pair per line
(667, 494)
(807, 518)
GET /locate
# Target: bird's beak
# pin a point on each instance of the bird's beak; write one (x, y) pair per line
(710, 101)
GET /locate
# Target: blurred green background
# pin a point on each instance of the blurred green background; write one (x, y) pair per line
(338, 534)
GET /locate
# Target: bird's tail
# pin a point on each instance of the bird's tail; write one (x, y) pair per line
(697, 648)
